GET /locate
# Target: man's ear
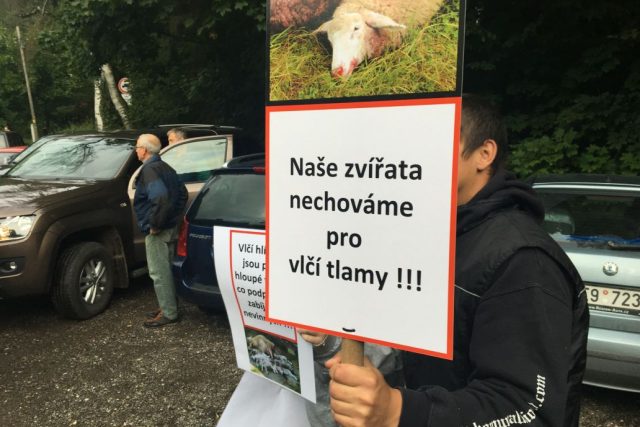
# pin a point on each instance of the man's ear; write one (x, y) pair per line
(486, 154)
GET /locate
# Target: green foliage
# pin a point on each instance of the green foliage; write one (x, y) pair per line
(545, 154)
(86, 126)
(566, 73)
(199, 62)
(567, 76)
(62, 97)
(425, 62)
(14, 106)
(110, 31)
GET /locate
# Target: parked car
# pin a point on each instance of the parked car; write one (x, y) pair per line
(67, 227)
(8, 153)
(596, 220)
(10, 139)
(233, 196)
(191, 131)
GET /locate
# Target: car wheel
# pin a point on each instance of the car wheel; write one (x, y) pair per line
(84, 279)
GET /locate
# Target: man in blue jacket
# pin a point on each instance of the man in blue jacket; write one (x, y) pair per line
(159, 203)
(520, 322)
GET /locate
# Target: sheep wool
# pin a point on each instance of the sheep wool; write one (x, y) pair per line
(411, 13)
(299, 13)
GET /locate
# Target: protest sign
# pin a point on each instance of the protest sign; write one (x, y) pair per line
(361, 240)
(361, 178)
(267, 349)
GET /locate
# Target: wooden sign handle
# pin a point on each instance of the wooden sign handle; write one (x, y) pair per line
(352, 352)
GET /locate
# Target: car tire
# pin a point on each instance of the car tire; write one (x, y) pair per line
(84, 281)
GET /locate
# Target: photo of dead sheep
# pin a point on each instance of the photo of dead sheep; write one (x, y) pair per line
(324, 49)
(274, 358)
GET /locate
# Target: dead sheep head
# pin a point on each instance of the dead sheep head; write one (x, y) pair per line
(354, 37)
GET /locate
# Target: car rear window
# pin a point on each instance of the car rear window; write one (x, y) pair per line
(231, 199)
(597, 220)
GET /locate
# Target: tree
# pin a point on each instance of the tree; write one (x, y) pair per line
(59, 94)
(201, 62)
(567, 74)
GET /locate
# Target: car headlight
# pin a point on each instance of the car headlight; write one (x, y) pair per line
(15, 227)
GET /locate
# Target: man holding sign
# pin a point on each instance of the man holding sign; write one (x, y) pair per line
(521, 316)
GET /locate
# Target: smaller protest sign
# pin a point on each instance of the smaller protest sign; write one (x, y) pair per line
(267, 349)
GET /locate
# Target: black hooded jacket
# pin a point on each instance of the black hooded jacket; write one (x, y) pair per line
(520, 328)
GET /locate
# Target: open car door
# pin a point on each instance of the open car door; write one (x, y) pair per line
(193, 159)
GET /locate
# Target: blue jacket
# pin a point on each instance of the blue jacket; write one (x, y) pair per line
(160, 196)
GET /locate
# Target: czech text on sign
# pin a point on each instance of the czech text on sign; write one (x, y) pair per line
(267, 349)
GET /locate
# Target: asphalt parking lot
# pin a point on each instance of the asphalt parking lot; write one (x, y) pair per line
(110, 371)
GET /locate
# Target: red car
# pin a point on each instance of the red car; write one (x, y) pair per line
(8, 153)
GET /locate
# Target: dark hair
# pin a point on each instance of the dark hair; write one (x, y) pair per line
(482, 121)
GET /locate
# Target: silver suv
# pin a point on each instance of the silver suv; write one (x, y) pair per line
(596, 220)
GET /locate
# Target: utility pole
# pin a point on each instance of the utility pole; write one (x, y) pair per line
(34, 126)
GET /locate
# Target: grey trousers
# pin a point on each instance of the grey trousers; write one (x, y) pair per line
(160, 248)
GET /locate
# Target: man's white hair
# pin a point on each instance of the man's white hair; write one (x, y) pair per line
(150, 142)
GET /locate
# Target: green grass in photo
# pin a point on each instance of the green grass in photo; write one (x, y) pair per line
(425, 62)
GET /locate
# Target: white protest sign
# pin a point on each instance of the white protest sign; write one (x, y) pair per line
(361, 220)
(267, 349)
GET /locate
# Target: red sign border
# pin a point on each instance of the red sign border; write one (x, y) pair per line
(457, 102)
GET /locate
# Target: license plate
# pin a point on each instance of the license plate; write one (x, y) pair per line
(613, 300)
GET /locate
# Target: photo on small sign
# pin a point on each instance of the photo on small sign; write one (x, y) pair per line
(327, 49)
(274, 358)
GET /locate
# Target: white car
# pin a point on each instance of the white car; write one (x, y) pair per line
(596, 220)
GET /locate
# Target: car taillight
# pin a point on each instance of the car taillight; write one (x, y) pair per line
(181, 247)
